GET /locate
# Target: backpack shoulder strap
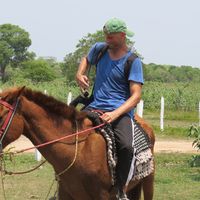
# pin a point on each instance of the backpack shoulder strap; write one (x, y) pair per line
(128, 64)
(101, 52)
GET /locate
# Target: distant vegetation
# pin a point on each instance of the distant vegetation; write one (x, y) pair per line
(178, 84)
(171, 74)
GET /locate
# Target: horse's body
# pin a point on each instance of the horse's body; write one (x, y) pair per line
(41, 118)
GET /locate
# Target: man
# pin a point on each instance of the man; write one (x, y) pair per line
(113, 93)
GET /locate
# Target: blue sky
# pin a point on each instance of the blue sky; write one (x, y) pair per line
(166, 31)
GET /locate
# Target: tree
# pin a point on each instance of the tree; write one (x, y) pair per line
(14, 42)
(5, 54)
(39, 71)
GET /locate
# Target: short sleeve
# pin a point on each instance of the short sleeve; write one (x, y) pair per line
(136, 72)
(93, 52)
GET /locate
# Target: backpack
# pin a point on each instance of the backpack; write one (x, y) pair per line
(127, 65)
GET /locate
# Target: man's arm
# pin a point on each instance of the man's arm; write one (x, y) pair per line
(81, 78)
(132, 101)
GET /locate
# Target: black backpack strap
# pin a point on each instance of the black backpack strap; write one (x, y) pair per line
(87, 100)
(101, 52)
(128, 64)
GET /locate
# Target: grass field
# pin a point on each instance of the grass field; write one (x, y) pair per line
(174, 180)
(176, 124)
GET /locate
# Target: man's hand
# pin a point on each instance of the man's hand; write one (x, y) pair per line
(109, 117)
(82, 81)
(81, 78)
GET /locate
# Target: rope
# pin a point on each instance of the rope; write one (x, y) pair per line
(56, 140)
(23, 172)
(41, 145)
(109, 137)
(111, 152)
(57, 176)
(51, 186)
(72, 163)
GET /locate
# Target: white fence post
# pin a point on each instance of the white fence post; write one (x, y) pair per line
(69, 98)
(162, 114)
(38, 155)
(139, 108)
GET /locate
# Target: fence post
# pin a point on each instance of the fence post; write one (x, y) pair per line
(139, 108)
(69, 98)
(38, 155)
(162, 114)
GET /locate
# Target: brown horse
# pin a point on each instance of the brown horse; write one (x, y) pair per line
(41, 119)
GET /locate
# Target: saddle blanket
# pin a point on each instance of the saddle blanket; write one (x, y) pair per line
(144, 162)
(143, 158)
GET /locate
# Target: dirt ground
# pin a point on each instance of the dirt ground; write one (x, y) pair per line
(161, 145)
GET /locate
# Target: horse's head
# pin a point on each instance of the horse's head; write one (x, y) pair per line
(11, 122)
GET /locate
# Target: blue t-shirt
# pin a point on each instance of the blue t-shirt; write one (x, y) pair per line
(111, 87)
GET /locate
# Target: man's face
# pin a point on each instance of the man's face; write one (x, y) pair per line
(115, 40)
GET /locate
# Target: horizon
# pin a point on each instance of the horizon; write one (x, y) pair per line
(166, 33)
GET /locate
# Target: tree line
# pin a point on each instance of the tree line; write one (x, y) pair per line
(14, 54)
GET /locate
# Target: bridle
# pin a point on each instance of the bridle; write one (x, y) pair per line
(6, 124)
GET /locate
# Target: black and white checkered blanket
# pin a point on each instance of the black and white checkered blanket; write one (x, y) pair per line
(144, 161)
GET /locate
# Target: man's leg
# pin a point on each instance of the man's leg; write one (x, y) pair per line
(124, 143)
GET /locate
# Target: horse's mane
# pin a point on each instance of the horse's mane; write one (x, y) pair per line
(49, 103)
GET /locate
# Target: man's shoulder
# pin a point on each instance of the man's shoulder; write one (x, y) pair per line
(133, 58)
(99, 45)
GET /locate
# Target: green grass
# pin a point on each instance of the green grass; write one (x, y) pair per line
(169, 115)
(34, 185)
(174, 179)
(176, 123)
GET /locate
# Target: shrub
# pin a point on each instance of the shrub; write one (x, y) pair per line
(38, 71)
(194, 131)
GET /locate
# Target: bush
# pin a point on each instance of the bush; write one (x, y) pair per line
(38, 71)
(194, 131)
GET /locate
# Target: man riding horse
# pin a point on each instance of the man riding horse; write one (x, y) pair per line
(114, 93)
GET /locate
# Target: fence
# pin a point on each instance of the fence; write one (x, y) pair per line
(139, 111)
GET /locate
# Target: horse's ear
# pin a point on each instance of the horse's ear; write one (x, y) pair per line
(20, 91)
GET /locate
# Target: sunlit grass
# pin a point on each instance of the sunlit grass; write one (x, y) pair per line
(176, 123)
(174, 179)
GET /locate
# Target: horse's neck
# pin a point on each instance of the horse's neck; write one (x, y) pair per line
(41, 128)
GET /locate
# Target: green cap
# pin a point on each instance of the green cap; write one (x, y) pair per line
(115, 25)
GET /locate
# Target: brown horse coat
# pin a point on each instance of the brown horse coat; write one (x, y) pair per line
(42, 118)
